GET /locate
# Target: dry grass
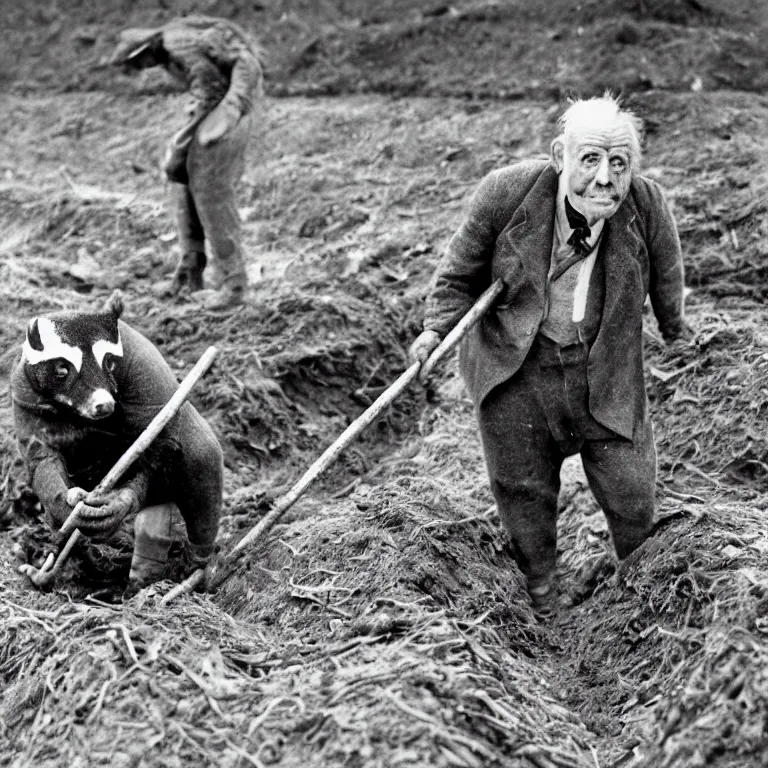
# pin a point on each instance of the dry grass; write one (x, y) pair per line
(383, 622)
(392, 626)
(676, 641)
(712, 423)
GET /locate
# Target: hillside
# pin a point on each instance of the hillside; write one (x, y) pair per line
(384, 622)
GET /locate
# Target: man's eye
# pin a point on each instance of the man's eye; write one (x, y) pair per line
(618, 164)
(589, 160)
(61, 371)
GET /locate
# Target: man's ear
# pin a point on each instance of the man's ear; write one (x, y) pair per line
(557, 152)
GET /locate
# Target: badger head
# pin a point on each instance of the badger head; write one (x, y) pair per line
(71, 359)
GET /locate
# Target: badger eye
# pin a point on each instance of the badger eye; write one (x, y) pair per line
(61, 371)
(110, 364)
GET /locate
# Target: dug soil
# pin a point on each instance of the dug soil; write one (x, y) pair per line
(383, 621)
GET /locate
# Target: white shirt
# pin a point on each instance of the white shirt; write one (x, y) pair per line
(561, 234)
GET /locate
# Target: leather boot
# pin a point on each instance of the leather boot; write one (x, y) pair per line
(150, 551)
(544, 597)
(230, 294)
(188, 272)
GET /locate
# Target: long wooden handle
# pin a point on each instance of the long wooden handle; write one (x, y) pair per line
(481, 306)
(142, 442)
(150, 433)
(370, 415)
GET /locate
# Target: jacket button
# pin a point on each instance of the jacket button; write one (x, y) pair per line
(529, 332)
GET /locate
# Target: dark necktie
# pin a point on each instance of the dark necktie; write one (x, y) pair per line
(581, 231)
(577, 241)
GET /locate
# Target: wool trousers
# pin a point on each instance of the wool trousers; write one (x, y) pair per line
(206, 207)
(153, 533)
(183, 501)
(529, 425)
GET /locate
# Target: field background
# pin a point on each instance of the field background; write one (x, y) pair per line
(383, 622)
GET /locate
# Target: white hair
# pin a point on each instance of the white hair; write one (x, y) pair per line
(598, 111)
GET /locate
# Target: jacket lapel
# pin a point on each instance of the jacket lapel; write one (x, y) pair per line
(527, 244)
(529, 233)
(619, 253)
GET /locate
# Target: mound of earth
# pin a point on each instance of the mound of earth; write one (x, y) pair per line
(383, 621)
(476, 50)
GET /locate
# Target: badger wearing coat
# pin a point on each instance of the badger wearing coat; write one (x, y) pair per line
(84, 388)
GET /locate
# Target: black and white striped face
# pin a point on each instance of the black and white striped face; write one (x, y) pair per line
(71, 359)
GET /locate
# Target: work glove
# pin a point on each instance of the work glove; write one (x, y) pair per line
(101, 513)
(175, 160)
(424, 345)
(218, 122)
(175, 165)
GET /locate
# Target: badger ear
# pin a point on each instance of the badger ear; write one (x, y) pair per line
(33, 336)
(114, 304)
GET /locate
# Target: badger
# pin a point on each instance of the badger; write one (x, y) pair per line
(84, 387)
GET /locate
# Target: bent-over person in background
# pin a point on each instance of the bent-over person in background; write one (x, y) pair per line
(221, 67)
(556, 367)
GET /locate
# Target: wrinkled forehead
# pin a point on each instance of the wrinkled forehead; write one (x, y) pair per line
(616, 135)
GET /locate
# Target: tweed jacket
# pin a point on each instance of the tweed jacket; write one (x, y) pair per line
(507, 233)
(217, 60)
(214, 58)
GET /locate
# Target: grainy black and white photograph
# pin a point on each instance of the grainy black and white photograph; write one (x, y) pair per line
(384, 384)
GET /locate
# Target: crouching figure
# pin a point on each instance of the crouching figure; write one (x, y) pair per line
(220, 64)
(85, 387)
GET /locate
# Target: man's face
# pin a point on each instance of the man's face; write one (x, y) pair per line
(597, 169)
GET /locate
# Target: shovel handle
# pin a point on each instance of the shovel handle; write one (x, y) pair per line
(457, 333)
(370, 415)
(149, 435)
(481, 306)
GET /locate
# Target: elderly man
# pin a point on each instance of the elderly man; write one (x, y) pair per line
(556, 368)
(221, 67)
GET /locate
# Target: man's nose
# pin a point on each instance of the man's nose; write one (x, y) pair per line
(603, 172)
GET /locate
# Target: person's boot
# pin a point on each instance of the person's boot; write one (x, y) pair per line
(196, 261)
(543, 594)
(188, 274)
(150, 550)
(231, 294)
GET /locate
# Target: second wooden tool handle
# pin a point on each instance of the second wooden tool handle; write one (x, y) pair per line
(150, 433)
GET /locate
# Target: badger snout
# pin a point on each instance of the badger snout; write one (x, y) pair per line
(100, 405)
